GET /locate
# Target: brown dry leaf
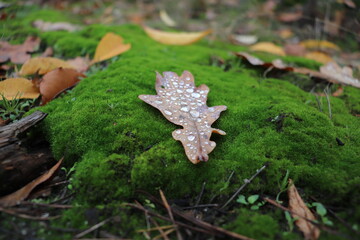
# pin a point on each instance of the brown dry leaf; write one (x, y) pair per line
(319, 44)
(340, 75)
(184, 104)
(110, 46)
(276, 63)
(295, 49)
(42, 65)
(55, 26)
(18, 88)
(319, 57)
(81, 64)
(21, 194)
(170, 38)
(300, 211)
(268, 47)
(290, 17)
(56, 81)
(18, 54)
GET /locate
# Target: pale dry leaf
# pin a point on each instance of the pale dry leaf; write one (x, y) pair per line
(276, 63)
(300, 211)
(268, 47)
(110, 46)
(340, 75)
(42, 65)
(18, 54)
(21, 194)
(55, 26)
(243, 39)
(18, 88)
(56, 81)
(81, 64)
(171, 38)
(167, 19)
(184, 104)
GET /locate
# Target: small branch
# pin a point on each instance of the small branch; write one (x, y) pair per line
(25, 216)
(93, 228)
(168, 208)
(201, 206)
(201, 194)
(247, 181)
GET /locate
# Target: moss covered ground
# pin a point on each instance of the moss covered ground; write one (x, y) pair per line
(119, 143)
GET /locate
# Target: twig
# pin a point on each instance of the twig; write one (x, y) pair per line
(93, 228)
(25, 216)
(247, 181)
(168, 208)
(46, 205)
(201, 194)
(155, 228)
(327, 93)
(164, 234)
(201, 206)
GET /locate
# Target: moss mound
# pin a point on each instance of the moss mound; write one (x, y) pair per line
(121, 144)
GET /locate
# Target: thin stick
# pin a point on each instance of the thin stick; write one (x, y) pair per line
(93, 228)
(25, 216)
(201, 206)
(162, 233)
(168, 208)
(46, 205)
(165, 234)
(327, 93)
(156, 228)
(247, 181)
(201, 194)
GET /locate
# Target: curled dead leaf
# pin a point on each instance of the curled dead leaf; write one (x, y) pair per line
(268, 47)
(18, 88)
(18, 54)
(339, 75)
(42, 65)
(300, 211)
(56, 81)
(170, 38)
(184, 104)
(110, 46)
(276, 63)
(21, 194)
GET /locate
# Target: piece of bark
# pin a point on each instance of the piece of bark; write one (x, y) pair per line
(18, 166)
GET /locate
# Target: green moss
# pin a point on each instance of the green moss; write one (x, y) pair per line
(121, 144)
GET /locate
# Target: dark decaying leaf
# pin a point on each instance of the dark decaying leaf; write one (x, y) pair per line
(276, 63)
(302, 213)
(18, 54)
(184, 104)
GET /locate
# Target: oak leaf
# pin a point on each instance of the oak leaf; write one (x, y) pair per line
(171, 38)
(301, 212)
(18, 54)
(18, 88)
(110, 46)
(184, 104)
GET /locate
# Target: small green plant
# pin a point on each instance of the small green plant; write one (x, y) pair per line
(68, 173)
(321, 211)
(283, 186)
(251, 200)
(290, 221)
(14, 109)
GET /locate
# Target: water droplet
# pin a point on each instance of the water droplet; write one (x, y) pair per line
(178, 131)
(173, 98)
(188, 79)
(213, 144)
(168, 94)
(195, 95)
(167, 112)
(179, 91)
(181, 82)
(198, 120)
(190, 90)
(184, 109)
(191, 137)
(211, 109)
(158, 102)
(194, 113)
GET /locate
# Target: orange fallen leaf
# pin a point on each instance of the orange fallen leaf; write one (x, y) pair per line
(18, 54)
(42, 65)
(170, 38)
(300, 211)
(320, 44)
(268, 47)
(184, 104)
(56, 81)
(110, 46)
(18, 88)
(319, 57)
(21, 194)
